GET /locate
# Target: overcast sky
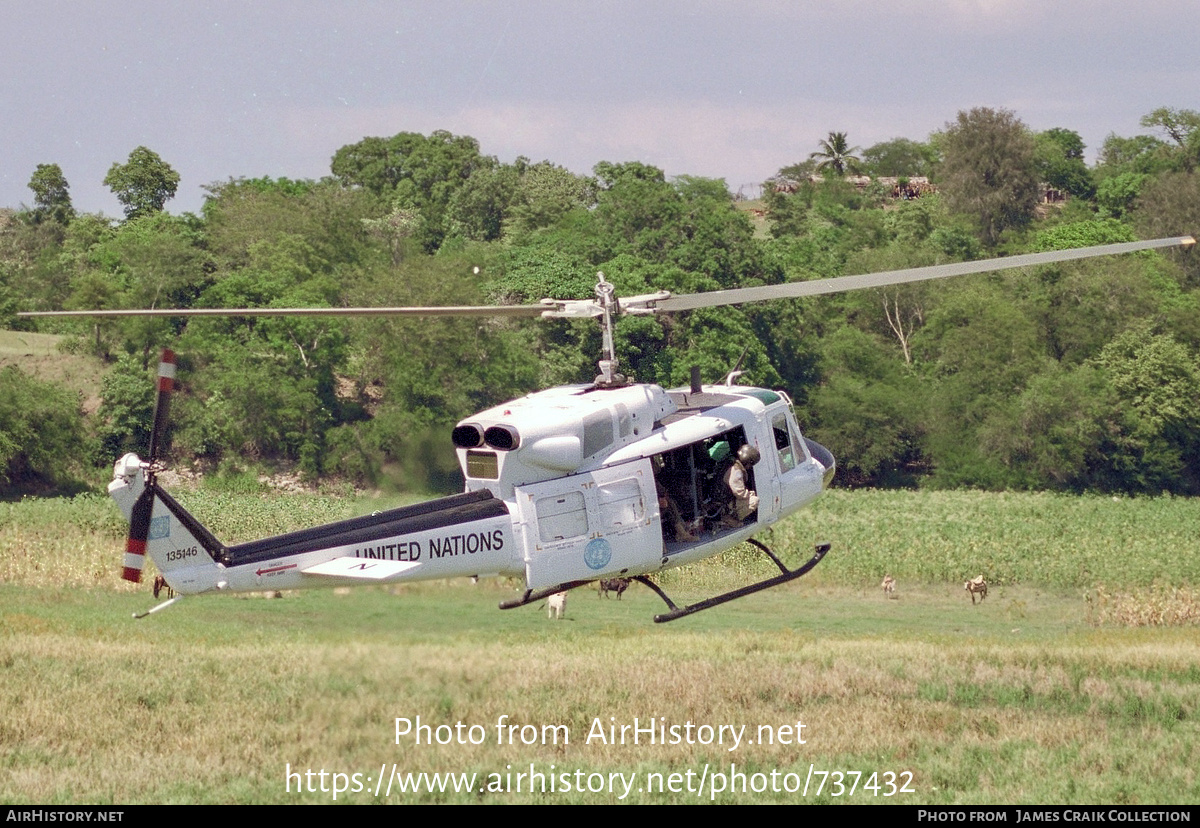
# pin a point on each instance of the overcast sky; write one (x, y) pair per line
(731, 90)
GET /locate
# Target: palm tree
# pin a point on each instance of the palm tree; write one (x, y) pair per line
(836, 152)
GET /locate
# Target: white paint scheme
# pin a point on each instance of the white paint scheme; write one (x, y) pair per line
(362, 568)
(554, 427)
(600, 519)
(554, 558)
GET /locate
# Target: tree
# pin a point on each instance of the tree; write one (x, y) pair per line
(1170, 206)
(1116, 195)
(478, 209)
(143, 184)
(409, 170)
(126, 408)
(51, 199)
(899, 157)
(41, 432)
(988, 170)
(545, 193)
(1183, 127)
(836, 152)
(395, 229)
(1142, 154)
(1157, 380)
(1059, 162)
(638, 211)
(242, 213)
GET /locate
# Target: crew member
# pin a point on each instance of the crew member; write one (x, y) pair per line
(745, 500)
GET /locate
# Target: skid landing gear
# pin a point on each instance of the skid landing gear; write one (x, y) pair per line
(724, 598)
(530, 596)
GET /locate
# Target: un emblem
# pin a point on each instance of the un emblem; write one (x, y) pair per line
(160, 527)
(597, 553)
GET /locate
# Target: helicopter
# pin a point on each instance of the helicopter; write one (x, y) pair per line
(563, 487)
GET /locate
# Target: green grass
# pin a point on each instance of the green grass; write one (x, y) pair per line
(210, 700)
(26, 343)
(41, 356)
(1017, 700)
(1062, 541)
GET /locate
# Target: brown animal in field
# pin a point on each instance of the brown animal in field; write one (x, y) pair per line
(976, 586)
(160, 583)
(617, 585)
(557, 605)
(889, 585)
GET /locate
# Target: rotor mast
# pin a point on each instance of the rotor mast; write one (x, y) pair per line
(609, 376)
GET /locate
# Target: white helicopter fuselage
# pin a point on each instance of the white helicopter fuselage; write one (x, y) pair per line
(565, 485)
(589, 473)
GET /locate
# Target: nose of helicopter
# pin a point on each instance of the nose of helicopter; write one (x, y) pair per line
(825, 457)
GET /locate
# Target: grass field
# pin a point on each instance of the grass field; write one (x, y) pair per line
(1038, 695)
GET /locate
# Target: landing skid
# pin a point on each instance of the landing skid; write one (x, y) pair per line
(161, 606)
(788, 575)
(530, 596)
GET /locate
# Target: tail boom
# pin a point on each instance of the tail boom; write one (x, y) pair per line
(462, 535)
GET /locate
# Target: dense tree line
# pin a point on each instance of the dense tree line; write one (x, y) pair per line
(1077, 377)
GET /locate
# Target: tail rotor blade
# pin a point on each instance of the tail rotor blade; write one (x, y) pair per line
(139, 532)
(162, 404)
(143, 507)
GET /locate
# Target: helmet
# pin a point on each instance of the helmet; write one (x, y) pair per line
(748, 455)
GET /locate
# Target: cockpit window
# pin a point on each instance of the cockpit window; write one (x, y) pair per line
(783, 442)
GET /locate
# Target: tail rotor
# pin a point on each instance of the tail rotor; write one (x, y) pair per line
(143, 507)
(162, 404)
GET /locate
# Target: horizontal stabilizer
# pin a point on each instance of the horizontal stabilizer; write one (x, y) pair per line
(368, 569)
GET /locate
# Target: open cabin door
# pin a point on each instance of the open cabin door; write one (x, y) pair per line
(594, 525)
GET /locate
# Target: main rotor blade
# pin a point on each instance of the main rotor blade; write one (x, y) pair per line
(841, 284)
(691, 301)
(461, 310)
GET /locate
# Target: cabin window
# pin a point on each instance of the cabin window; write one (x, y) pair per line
(621, 503)
(483, 465)
(562, 516)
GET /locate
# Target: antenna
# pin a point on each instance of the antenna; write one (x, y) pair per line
(736, 371)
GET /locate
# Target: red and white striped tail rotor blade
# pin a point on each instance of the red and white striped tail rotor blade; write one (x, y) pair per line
(162, 403)
(139, 533)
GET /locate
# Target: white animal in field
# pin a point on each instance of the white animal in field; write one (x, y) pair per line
(889, 585)
(557, 605)
(976, 586)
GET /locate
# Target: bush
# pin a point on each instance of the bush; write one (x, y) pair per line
(41, 434)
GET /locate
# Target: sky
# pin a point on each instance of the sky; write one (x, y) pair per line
(732, 90)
